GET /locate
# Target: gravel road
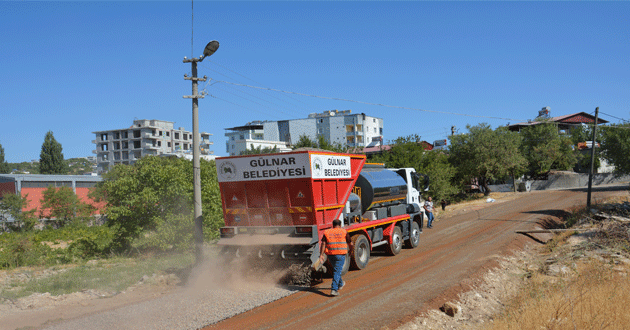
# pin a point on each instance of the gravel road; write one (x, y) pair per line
(207, 299)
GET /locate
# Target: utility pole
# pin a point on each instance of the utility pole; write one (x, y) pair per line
(590, 172)
(211, 47)
(196, 163)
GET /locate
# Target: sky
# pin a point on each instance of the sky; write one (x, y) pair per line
(74, 68)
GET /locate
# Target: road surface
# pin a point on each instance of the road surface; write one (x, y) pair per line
(391, 291)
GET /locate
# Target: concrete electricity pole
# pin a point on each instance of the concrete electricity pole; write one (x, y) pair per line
(590, 172)
(209, 50)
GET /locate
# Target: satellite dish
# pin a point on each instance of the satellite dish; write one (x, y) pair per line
(211, 47)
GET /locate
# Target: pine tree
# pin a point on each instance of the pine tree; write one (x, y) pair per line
(51, 159)
(4, 166)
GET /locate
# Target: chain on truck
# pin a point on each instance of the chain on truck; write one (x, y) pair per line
(277, 206)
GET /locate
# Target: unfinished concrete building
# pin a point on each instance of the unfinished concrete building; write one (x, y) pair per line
(145, 137)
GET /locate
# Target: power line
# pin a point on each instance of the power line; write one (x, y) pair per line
(255, 82)
(369, 103)
(625, 120)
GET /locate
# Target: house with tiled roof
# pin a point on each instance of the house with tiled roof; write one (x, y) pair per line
(565, 123)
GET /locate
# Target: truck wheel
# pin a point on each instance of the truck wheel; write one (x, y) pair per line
(361, 252)
(414, 235)
(396, 242)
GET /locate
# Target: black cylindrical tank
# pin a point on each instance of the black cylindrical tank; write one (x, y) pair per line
(378, 185)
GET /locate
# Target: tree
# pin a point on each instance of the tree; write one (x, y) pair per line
(322, 143)
(259, 150)
(409, 151)
(4, 166)
(62, 206)
(51, 158)
(485, 154)
(153, 198)
(13, 204)
(615, 146)
(545, 149)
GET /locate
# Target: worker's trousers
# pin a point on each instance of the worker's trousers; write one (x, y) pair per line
(337, 262)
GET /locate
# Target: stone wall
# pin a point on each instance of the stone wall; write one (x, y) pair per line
(563, 180)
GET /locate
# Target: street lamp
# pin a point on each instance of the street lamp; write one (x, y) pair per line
(211, 47)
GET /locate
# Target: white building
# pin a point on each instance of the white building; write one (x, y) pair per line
(245, 137)
(144, 137)
(337, 127)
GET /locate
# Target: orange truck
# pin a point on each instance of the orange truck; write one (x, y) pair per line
(277, 206)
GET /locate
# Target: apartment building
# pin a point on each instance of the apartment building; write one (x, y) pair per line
(145, 137)
(245, 137)
(337, 127)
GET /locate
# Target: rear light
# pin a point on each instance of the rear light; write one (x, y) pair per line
(228, 231)
(304, 230)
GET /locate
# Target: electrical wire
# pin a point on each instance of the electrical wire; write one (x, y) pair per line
(625, 120)
(369, 103)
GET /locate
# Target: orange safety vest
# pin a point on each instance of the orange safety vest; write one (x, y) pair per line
(336, 241)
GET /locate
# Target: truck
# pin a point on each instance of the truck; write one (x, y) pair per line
(277, 206)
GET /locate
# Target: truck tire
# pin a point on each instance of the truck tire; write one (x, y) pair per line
(396, 244)
(360, 253)
(414, 235)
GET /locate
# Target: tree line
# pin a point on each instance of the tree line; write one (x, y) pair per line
(148, 205)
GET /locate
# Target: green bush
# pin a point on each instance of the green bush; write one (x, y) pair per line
(30, 249)
(175, 233)
(22, 250)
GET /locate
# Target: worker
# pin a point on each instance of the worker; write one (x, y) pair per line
(334, 244)
(428, 209)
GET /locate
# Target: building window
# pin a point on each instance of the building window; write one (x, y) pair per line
(136, 144)
(373, 120)
(374, 129)
(125, 135)
(153, 132)
(232, 147)
(136, 133)
(185, 146)
(116, 145)
(184, 137)
(159, 133)
(159, 143)
(168, 133)
(381, 130)
(232, 138)
(241, 137)
(168, 144)
(177, 135)
(103, 147)
(116, 135)
(104, 137)
(125, 145)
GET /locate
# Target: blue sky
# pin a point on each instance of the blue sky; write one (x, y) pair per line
(79, 67)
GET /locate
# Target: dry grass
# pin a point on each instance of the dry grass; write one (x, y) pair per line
(595, 298)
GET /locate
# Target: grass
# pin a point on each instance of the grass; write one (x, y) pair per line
(596, 298)
(109, 275)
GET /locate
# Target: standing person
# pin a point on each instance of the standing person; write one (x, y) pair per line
(428, 208)
(334, 244)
